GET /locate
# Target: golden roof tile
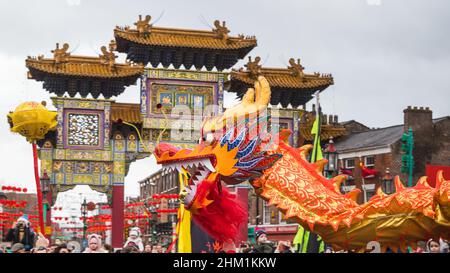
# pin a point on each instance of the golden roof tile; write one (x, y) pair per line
(291, 77)
(128, 112)
(63, 63)
(218, 38)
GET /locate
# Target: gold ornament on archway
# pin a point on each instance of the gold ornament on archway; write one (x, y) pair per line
(32, 120)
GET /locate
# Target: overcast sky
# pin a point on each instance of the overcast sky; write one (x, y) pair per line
(384, 55)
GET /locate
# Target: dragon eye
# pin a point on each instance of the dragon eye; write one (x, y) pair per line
(208, 138)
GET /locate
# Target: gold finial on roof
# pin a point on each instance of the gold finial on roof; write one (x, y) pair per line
(221, 31)
(143, 26)
(60, 54)
(112, 45)
(295, 67)
(253, 67)
(108, 57)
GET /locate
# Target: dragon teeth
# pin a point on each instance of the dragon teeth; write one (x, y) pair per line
(208, 165)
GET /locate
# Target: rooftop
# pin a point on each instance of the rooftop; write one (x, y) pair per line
(146, 43)
(84, 74)
(289, 85)
(128, 112)
(370, 139)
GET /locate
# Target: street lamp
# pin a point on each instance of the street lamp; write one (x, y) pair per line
(154, 221)
(331, 155)
(386, 182)
(45, 183)
(45, 188)
(84, 214)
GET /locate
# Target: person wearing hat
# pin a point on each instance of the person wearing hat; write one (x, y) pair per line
(94, 244)
(21, 232)
(262, 244)
(135, 239)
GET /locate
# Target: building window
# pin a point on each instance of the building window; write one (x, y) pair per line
(369, 161)
(280, 218)
(349, 163)
(266, 213)
(369, 194)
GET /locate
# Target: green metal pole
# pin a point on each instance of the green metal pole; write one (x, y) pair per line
(410, 153)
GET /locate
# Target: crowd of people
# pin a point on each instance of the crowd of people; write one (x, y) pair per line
(23, 239)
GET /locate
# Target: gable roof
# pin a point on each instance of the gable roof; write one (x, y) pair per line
(370, 139)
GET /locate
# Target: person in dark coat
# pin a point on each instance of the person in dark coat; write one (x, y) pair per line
(262, 244)
(21, 232)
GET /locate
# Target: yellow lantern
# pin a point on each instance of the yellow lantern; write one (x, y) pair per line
(32, 120)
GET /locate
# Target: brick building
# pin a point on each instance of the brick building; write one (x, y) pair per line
(380, 149)
(30, 209)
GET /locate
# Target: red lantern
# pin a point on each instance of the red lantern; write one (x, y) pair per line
(91, 206)
(24, 189)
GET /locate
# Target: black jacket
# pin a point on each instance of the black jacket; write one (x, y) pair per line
(27, 240)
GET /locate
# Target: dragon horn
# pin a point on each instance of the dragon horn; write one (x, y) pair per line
(353, 194)
(319, 165)
(337, 181)
(422, 183)
(249, 97)
(439, 179)
(262, 91)
(398, 184)
(380, 192)
(304, 150)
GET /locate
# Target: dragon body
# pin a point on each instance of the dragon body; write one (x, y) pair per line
(237, 147)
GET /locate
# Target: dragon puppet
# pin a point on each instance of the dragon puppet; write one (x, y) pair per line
(243, 144)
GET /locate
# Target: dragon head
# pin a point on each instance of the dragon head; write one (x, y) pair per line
(232, 149)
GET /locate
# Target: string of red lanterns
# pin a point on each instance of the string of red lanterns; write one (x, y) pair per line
(14, 189)
(165, 196)
(13, 203)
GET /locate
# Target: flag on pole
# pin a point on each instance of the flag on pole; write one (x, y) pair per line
(317, 150)
(310, 242)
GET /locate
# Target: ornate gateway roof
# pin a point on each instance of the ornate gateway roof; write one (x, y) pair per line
(128, 112)
(86, 75)
(289, 85)
(215, 48)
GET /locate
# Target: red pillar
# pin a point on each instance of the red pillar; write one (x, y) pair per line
(117, 216)
(242, 197)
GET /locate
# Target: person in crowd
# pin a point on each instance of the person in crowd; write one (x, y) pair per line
(433, 246)
(157, 249)
(148, 249)
(62, 248)
(245, 247)
(52, 248)
(94, 244)
(21, 232)
(229, 246)
(135, 239)
(108, 248)
(262, 244)
(39, 249)
(283, 247)
(444, 246)
(130, 249)
(18, 248)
